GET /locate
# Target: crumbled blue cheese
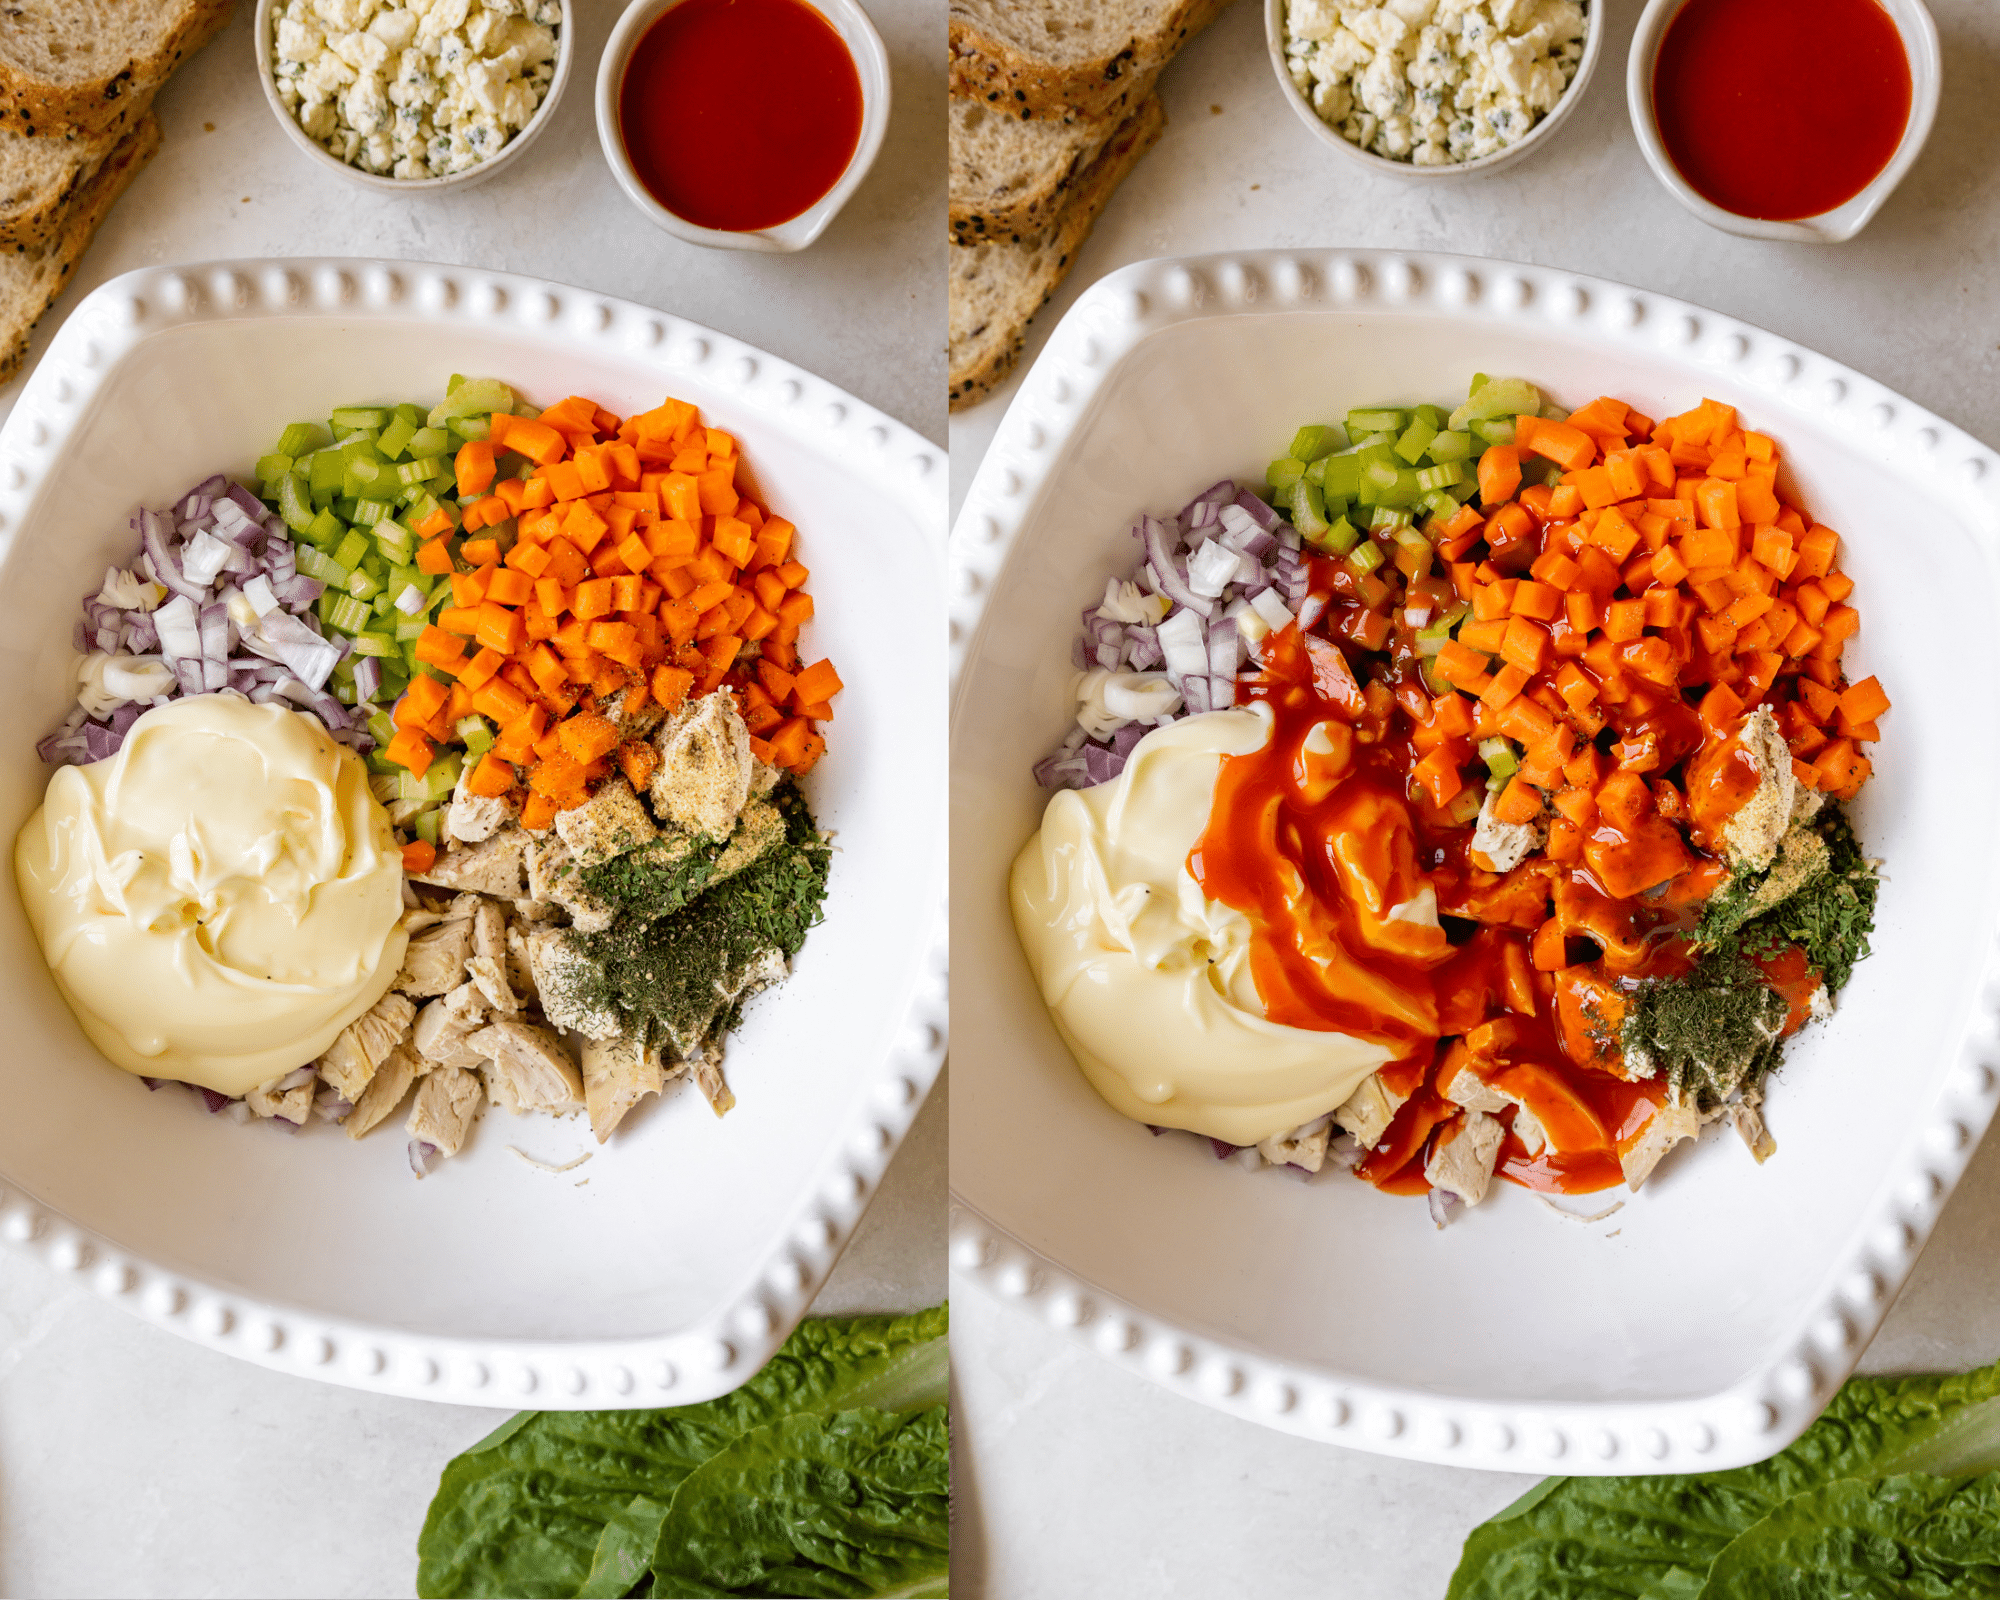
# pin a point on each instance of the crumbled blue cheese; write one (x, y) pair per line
(1434, 82)
(416, 89)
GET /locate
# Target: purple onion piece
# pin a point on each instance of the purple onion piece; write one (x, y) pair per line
(367, 677)
(1172, 577)
(1258, 512)
(211, 1098)
(99, 742)
(423, 1157)
(123, 718)
(1127, 738)
(1444, 1205)
(1223, 1148)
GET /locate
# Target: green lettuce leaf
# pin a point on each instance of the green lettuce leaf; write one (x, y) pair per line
(853, 1504)
(1912, 1537)
(1654, 1538)
(561, 1503)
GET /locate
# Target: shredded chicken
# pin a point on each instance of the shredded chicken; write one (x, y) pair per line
(364, 1044)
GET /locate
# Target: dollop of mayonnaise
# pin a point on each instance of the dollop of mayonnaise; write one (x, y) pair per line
(219, 899)
(1148, 980)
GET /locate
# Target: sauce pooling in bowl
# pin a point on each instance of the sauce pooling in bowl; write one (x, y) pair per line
(1781, 109)
(740, 114)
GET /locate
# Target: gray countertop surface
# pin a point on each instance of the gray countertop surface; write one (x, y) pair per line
(1078, 1479)
(132, 1463)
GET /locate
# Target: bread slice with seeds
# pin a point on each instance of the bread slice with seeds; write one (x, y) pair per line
(1068, 60)
(38, 180)
(31, 281)
(996, 286)
(1010, 175)
(81, 70)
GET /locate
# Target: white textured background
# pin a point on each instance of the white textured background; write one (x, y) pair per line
(1076, 1479)
(132, 1463)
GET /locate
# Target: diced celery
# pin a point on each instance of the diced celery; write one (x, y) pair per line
(395, 541)
(346, 613)
(1479, 381)
(395, 438)
(1431, 415)
(1416, 545)
(381, 727)
(1432, 639)
(1440, 476)
(1340, 475)
(370, 512)
(425, 825)
(472, 427)
(382, 767)
(1401, 491)
(1370, 439)
(1499, 397)
(452, 383)
(325, 471)
(1494, 430)
(1315, 440)
(271, 468)
(346, 693)
(475, 733)
(411, 628)
(1450, 446)
(402, 576)
(1500, 758)
(1380, 420)
(1308, 510)
(1462, 492)
(376, 644)
(411, 413)
(1388, 517)
(325, 528)
(384, 603)
(1439, 503)
(1367, 557)
(293, 504)
(1382, 474)
(1283, 473)
(316, 563)
(1554, 413)
(475, 395)
(418, 470)
(363, 586)
(299, 438)
(351, 549)
(1341, 536)
(429, 442)
(526, 412)
(1415, 441)
(442, 775)
(361, 416)
(1548, 472)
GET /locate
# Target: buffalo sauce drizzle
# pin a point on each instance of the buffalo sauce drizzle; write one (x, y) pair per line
(1315, 839)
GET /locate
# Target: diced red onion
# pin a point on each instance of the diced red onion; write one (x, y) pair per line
(1444, 1205)
(1160, 558)
(423, 1157)
(211, 1098)
(367, 677)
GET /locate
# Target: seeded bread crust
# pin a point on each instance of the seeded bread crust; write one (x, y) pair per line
(1014, 60)
(29, 284)
(996, 286)
(85, 70)
(1010, 175)
(39, 178)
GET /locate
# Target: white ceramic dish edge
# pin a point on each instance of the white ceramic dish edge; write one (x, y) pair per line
(1538, 136)
(871, 65)
(262, 38)
(1776, 1401)
(729, 1346)
(1920, 40)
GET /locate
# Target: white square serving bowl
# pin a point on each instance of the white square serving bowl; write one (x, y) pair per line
(1707, 1322)
(695, 1244)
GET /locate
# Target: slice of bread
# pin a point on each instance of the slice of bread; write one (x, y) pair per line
(996, 287)
(1067, 59)
(1009, 175)
(29, 283)
(38, 180)
(84, 69)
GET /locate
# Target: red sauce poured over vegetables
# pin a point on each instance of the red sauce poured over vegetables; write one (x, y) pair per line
(740, 114)
(1781, 109)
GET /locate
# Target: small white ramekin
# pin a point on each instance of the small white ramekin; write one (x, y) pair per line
(1538, 136)
(1920, 44)
(871, 64)
(263, 35)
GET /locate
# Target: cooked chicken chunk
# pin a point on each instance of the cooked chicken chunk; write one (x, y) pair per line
(705, 766)
(435, 959)
(489, 977)
(608, 824)
(1747, 1117)
(1502, 846)
(442, 1115)
(520, 970)
(494, 867)
(441, 1027)
(761, 826)
(530, 1068)
(1302, 1147)
(617, 1075)
(563, 975)
(292, 1104)
(364, 1044)
(706, 1065)
(633, 724)
(1462, 1162)
(1465, 1087)
(764, 778)
(1754, 830)
(1668, 1127)
(385, 1090)
(472, 817)
(1368, 1112)
(553, 877)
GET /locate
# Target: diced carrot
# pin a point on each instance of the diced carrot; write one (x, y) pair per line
(670, 686)
(419, 856)
(434, 558)
(510, 587)
(473, 466)
(436, 648)
(817, 682)
(586, 736)
(1499, 475)
(1569, 447)
(1864, 701)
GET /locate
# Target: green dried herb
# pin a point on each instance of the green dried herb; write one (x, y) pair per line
(656, 879)
(1709, 1032)
(1830, 915)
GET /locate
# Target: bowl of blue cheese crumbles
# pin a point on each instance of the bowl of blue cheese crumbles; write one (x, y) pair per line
(397, 93)
(1434, 87)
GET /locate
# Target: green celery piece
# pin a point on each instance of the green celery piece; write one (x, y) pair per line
(409, 629)
(402, 575)
(418, 470)
(383, 729)
(345, 692)
(1462, 492)
(352, 547)
(526, 412)
(1367, 557)
(475, 733)
(1415, 441)
(344, 509)
(412, 414)
(1441, 476)
(293, 505)
(361, 417)
(1378, 455)
(1496, 430)
(369, 513)
(1283, 473)
(1317, 439)
(472, 427)
(429, 442)
(271, 468)
(1377, 440)
(299, 438)
(395, 439)
(1572, 1538)
(425, 824)
(1382, 419)
(547, 1504)
(1432, 638)
(1552, 412)
(381, 768)
(422, 504)
(1388, 517)
(384, 604)
(1308, 511)
(316, 563)
(411, 787)
(1315, 473)
(1402, 491)
(346, 613)
(376, 644)
(1450, 446)
(451, 384)
(441, 776)
(1498, 397)
(1341, 537)
(1479, 381)
(474, 396)
(1439, 503)
(396, 542)
(325, 528)
(325, 470)
(1366, 493)
(363, 586)
(1432, 416)
(1501, 759)
(1340, 476)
